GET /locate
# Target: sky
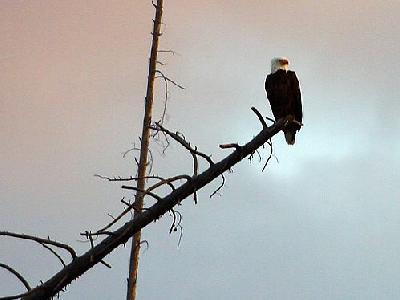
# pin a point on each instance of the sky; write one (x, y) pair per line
(322, 223)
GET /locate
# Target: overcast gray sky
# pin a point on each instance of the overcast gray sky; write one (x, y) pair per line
(323, 223)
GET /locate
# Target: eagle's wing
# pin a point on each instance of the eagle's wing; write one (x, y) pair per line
(275, 89)
(297, 105)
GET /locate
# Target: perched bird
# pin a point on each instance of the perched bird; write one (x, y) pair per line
(283, 93)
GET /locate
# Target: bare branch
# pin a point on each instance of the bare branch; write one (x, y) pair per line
(220, 186)
(130, 178)
(251, 156)
(195, 196)
(163, 142)
(105, 264)
(55, 253)
(90, 235)
(162, 180)
(16, 274)
(125, 202)
(168, 181)
(260, 118)
(165, 103)
(176, 223)
(137, 162)
(125, 153)
(173, 226)
(271, 154)
(269, 142)
(269, 119)
(40, 241)
(195, 166)
(145, 243)
(145, 192)
(115, 220)
(168, 51)
(181, 140)
(166, 78)
(230, 145)
(180, 234)
(150, 161)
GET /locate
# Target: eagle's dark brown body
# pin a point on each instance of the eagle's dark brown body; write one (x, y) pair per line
(283, 92)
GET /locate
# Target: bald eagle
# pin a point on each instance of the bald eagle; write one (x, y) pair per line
(283, 93)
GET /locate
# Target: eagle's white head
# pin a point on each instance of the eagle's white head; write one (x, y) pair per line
(279, 63)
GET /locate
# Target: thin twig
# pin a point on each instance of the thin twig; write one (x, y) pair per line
(165, 103)
(168, 51)
(177, 224)
(125, 153)
(150, 161)
(130, 178)
(172, 228)
(219, 187)
(166, 78)
(271, 154)
(251, 156)
(146, 243)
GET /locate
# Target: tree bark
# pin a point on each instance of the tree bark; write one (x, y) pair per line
(144, 150)
(83, 263)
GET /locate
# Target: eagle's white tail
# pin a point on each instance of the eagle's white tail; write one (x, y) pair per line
(290, 137)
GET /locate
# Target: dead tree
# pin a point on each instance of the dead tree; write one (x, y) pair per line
(80, 264)
(142, 215)
(144, 150)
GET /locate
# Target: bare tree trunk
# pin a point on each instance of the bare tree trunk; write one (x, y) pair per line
(144, 150)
